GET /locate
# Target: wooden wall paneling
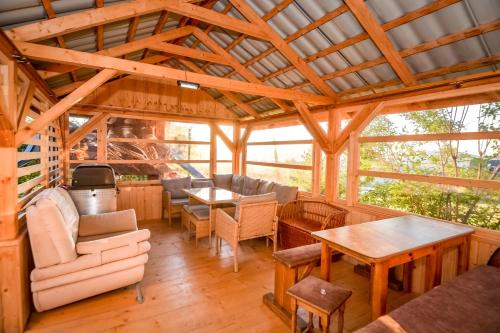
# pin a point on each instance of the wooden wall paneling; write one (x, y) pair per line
(144, 199)
(102, 140)
(15, 303)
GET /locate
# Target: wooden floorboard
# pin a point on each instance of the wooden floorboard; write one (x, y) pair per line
(193, 290)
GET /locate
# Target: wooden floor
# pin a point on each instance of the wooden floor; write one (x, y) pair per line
(192, 290)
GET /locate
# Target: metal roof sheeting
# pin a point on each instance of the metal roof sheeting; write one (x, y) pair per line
(299, 14)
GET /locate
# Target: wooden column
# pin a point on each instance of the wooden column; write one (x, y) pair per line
(352, 170)
(65, 147)
(213, 149)
(237, 151)
(316, 169)
(102, 141)
(332, 160)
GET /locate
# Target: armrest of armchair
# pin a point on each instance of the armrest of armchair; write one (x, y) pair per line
(290, 209)
(123, 220)
(113, 242)
(166, 198)
(226, 227)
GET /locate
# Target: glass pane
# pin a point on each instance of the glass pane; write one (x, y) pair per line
(322, 181)
(280, 134)
(187, 131)
(223, 153)
(132, 128)
(291, 177)
(144, 171)
(478, 207)
(224, 168)
(289, 154)
(86, 149)
(76, 121)
(228, 130)
(342, 180)
(464, 159)
(157, 151)
(472, 118)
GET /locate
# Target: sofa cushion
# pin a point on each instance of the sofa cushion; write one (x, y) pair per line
(250, 185)
(192, 208)
(180, 201)
(53, 227)
(285, 193)
(237, 184)
(223, 181)
(265, 187)
(176, 185)
(251, 200)
(198, 183)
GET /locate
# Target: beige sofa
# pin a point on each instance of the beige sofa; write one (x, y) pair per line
(81, 256)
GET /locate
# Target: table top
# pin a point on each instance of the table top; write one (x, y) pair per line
(380, 240)
(212, 195)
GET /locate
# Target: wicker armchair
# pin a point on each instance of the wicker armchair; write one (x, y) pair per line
(251, 220)
(301, 217)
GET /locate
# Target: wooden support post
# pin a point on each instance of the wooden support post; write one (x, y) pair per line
(102, 140)
(237, 151)
(213, 149)
(316, 169)
(332, 160)
(243, 148)
(66, 148)
(353, 170)
(44, 155)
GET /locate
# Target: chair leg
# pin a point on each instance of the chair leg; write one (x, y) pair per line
(310, 324)
(169, 217)
(267, 241)
(341, 318)
(325, 319)
(293, 324)
(139, 295)
(217, 244)
(235, 258)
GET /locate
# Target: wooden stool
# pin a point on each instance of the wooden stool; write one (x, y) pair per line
(320, 298)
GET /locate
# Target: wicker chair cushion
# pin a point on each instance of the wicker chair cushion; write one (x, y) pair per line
(250, 185)
(252, 199)
(197, 183)
(302, 224)
(180, 201)
(237, 184)
(223, 181)
(192, 208)
(285, 193)
(201, 214)
(265, 187)
(176, 186)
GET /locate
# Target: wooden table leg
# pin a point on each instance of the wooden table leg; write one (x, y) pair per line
(209, 226)
(379, 281)
(326, 260)
(430, 271)
(463, 255)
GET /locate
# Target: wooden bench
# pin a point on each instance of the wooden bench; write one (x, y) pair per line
(299, 218)
(320, 298)
(291, 266)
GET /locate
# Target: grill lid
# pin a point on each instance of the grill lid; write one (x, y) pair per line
(93, 176)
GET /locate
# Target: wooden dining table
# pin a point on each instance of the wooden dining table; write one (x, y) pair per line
(212, 197)
(391, 242)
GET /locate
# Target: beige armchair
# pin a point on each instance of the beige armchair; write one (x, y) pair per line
(254, 217)
(81, 256)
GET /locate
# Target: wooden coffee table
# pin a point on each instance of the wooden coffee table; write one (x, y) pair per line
(212, 196)
(387, 243)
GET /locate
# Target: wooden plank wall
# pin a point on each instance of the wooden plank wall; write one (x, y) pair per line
(146, 199)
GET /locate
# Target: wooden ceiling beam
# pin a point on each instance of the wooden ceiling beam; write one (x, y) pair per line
(238, 67)
(210, 27)
(189, 53)
(82, 131)
(313, 127)
(93, 17)
(64, 105)
(58, 69)
(283, 47)
(132, 28)
(374, 30)
(160, 25)
(100, 28)
(229, 95)
(72, 57)
(66, 89)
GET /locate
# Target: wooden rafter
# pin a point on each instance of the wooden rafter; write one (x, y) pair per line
(247, 74)
(283, 47)
(57, 55)
(47, 5)
(210, 27)
(94, 17)
(313, 127)
(99, 28)
(58, 69)
(162, 20)
(190, 53)
(64, 105)
(229, 95)
(374, 30)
